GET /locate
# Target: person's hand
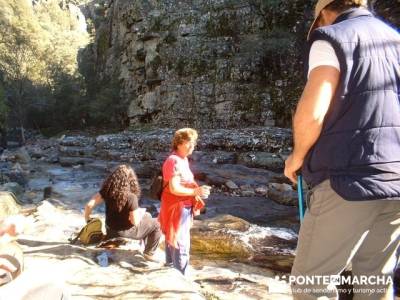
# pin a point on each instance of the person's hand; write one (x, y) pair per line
(292, 164)
(13, 225)
(7, 266)
(136, 216)
(202, 191)
(9, 229)
(206, 191)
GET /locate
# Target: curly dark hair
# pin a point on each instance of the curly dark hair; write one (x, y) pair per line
(117, 187)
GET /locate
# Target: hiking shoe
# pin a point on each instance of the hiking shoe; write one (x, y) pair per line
(151, 258)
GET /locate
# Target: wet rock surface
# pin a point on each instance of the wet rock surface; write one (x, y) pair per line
(232, 238)
(243, 240)
(8, 205)
(46, 248)
(49, 257)
(241, 225)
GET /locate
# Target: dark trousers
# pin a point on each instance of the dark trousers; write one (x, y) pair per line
(148, 230)
(179, 257)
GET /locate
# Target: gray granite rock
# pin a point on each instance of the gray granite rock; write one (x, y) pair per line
(269, 161)
(283, 194)
(8, 205)
(22, 156)
(194, 63)
(231, 237)
(12, 187)
(66, 161)
(231, 185)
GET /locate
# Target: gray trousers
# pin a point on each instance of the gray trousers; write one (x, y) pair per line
(336, 233)
(148, 230)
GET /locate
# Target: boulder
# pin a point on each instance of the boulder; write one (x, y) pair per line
(211, 179)
(269, 161)
(248, 193)
(7, 155)
(12, 187)
(231, 185)
(283, 194)
(76, 151)
(22, 156)
(8, 205)
(72, 161)
(261, 190)
(239, 174)
(213, 237)
(230, 280)
(15, 173)
(215, 157)
(76, 141)
(229, 237)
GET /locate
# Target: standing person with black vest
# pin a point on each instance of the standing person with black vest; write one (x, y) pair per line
(347, 142)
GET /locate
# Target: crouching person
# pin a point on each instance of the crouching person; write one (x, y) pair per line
(120, 192)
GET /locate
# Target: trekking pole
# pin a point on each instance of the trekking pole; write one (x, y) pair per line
(300, 196)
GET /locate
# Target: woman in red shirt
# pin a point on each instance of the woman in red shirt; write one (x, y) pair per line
(180, 199)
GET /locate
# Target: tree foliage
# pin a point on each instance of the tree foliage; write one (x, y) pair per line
(38, 45)
(36, 38)
(4, 109)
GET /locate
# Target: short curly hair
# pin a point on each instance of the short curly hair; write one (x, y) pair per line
(184, 135)
(117, 187)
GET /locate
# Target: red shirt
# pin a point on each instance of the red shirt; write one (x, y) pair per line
(178, 166)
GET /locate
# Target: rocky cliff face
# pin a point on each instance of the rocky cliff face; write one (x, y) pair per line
(204, 63)
(207, 64)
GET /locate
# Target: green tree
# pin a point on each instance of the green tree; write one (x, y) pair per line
(107, 106)
(37, 44)
(18, 66)
(21, 61)
(3, 118)
(68, 105)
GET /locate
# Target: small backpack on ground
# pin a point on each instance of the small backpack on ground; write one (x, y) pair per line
(157, 186)
(91, 233)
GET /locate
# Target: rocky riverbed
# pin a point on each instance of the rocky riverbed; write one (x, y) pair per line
(246, 237)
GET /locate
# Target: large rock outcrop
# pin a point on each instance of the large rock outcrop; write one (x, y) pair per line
(207, 64)
(204, 63)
